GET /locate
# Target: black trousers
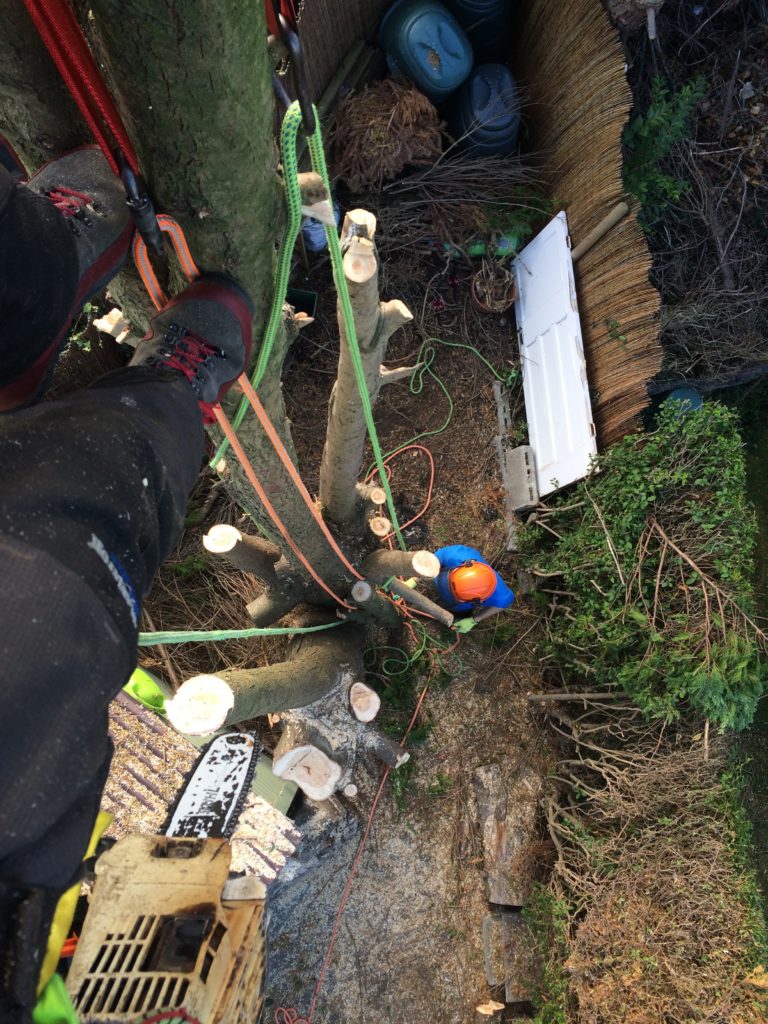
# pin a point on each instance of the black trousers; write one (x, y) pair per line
(93, 491)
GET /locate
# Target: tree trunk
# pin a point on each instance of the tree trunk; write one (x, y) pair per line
(315, 665)
(375, 323)
(194, 87)
(193, 84)
(37, 113)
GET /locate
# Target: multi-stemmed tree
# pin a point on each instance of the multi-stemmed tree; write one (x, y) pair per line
(194, 87)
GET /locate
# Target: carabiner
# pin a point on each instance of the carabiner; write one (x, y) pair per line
(141, 206)
(291, 39)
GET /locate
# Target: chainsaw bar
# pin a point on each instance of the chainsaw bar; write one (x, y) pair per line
(212, 799)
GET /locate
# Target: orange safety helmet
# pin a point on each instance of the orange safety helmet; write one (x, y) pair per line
(472, 581)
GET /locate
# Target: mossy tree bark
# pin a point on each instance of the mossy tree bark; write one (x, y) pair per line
(37, 113)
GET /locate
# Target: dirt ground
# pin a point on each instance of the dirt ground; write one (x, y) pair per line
(410, 946)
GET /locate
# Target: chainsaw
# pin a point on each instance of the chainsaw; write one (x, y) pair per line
(167, 929)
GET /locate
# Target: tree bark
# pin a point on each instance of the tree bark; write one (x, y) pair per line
(375, 323)
(37, 113)
(315, 665)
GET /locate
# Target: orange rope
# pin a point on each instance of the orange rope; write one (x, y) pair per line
(231, 436)
(147, 271)
(285, 458)
(428, 499)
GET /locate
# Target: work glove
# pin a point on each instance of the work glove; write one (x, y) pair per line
(464, 625)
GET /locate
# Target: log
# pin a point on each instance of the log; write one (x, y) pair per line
(378, 496)
(317, 662)
(506, 814)
(299, 759)
(200, 705)
(247, 554)
(382, 565)
(422, 603)
(364, 701)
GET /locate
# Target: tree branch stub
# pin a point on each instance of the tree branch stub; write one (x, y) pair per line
(248, 554)
(380, 566)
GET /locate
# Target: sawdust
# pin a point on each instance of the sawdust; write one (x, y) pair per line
(410, 943)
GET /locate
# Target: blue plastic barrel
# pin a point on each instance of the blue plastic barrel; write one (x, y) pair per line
(688, 399)
(485, 114)
(424, 43)
(313, 231)
(488, 25)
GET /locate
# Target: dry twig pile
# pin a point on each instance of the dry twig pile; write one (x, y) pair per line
(379, 132)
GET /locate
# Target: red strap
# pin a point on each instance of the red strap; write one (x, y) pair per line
(63, 38)
(285, 7)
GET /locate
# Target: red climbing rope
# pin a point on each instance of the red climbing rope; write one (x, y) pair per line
(428, 500)
(58, 28)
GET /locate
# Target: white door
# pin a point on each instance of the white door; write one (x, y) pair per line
(560, 427)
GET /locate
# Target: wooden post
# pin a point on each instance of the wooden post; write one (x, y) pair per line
(619, 211)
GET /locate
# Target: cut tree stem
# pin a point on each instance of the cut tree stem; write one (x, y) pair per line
(382, 565)
(375, 323)
(248, 554)
(315, 665)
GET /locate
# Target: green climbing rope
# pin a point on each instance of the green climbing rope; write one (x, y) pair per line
(203, 635)
(288, 135)
(425, 367)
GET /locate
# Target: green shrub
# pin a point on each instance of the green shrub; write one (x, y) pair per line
(649, 138)
(655, 552)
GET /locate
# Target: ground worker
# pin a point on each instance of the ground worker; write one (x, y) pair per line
(468, 583)
(93, 491)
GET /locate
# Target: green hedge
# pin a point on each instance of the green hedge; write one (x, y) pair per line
(638, 614)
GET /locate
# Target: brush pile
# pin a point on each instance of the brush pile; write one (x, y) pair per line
(379, 132)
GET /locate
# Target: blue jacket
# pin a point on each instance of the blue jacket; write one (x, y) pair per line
(451, 558)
